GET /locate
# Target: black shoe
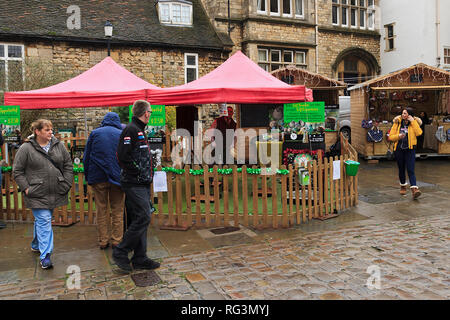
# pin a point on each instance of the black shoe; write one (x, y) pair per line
(148, 264)
(122, 263)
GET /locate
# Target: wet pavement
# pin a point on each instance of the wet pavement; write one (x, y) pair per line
(388, 247)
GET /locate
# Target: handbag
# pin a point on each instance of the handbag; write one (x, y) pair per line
(366, 124)
(375, 135)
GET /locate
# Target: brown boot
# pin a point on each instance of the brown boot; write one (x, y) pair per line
(415, 193)
(403, 190)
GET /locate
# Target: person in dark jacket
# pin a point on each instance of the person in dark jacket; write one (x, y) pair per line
(102, 172)
(134, 157)
(43, 170)
(222, 124)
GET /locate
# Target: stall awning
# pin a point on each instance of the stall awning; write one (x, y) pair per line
(105, 84)
(237, 80)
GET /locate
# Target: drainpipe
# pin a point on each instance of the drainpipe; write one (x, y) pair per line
(438, 36)
(316, 18)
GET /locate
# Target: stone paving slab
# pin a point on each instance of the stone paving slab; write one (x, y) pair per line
(325, 268)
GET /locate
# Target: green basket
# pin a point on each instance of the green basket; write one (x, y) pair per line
(351, 167)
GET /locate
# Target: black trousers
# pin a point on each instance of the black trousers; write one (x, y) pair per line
(139, 209)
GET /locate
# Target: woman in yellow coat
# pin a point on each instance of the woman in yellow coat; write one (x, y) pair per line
(404, 134)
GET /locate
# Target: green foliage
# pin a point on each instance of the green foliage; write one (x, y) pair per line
(123, 113)
(171, 117)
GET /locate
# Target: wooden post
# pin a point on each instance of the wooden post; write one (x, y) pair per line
(325, 186)
(178, 199)
(320, 184)
(255, 199)
(245, 194)
(207, 195)
(235, 196)
(291, 212)
(310, 193)
(264, 199)
(187, 184)
(16, 200)
(8, 195)
(316, 197)
(285, 223)
(297, 194)
(198, 216)
(81, 197)
(226, 217)
(216, 197)
(170, 199)
(274, 201)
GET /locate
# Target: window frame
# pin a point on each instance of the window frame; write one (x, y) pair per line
(344, 7)
(265, 5)
(275, 14)
(288, 15)
(446, 56)
(5, 58)
(268, 64)
(302, 16)
(186, 66)
(387, 37)
(338, 7)
(171, 4)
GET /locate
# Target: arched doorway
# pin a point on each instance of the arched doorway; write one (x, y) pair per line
(355, 65)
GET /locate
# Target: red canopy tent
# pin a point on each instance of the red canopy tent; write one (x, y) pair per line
(237, 80)
(105, 84)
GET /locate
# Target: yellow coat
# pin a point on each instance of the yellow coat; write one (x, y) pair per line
(414, 131)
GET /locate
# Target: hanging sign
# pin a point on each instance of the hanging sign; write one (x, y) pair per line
(312, 112)
(223, 110)
(157, 118)
(10, 122)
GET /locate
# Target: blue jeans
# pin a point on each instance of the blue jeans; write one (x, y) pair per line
(406, 159)
(42, 233)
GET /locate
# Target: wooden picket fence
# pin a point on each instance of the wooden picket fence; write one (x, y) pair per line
(213, 199)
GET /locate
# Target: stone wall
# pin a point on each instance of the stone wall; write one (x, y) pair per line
(163, 68)
(331, 44)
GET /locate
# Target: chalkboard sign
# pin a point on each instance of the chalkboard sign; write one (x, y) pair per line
(254, 115)
(316, 138)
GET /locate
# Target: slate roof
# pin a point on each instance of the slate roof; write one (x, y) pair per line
(134, 21)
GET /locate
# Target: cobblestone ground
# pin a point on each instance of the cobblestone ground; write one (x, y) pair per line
(412, 257)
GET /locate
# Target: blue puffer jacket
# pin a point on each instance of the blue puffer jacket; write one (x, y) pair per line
(100, 160)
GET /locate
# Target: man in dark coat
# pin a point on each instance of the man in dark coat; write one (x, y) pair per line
(137, 174)
(102, 172)
(223, 124)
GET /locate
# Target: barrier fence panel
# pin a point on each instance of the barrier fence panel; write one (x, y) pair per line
(218, 196)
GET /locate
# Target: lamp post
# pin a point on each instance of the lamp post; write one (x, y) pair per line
(108, 34)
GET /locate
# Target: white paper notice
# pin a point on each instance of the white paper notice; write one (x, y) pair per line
(336, 170)
(160, 182)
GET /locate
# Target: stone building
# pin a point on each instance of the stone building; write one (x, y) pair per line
(170, 42)
(337, 38)
(166, 43)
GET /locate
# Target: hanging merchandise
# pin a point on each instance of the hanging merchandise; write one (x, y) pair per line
(397, 109)
(395, 96)
(382, 95)
(384, 107)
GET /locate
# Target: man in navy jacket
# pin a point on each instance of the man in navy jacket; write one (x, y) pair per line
(102, 172)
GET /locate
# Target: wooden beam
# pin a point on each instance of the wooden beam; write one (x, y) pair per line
(412, 88)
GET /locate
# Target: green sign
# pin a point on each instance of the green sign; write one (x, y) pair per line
(10, 115)
(158, 117)
(312, 112)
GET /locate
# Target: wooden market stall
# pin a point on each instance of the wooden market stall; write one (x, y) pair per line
(324, 89)
(421, 88)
